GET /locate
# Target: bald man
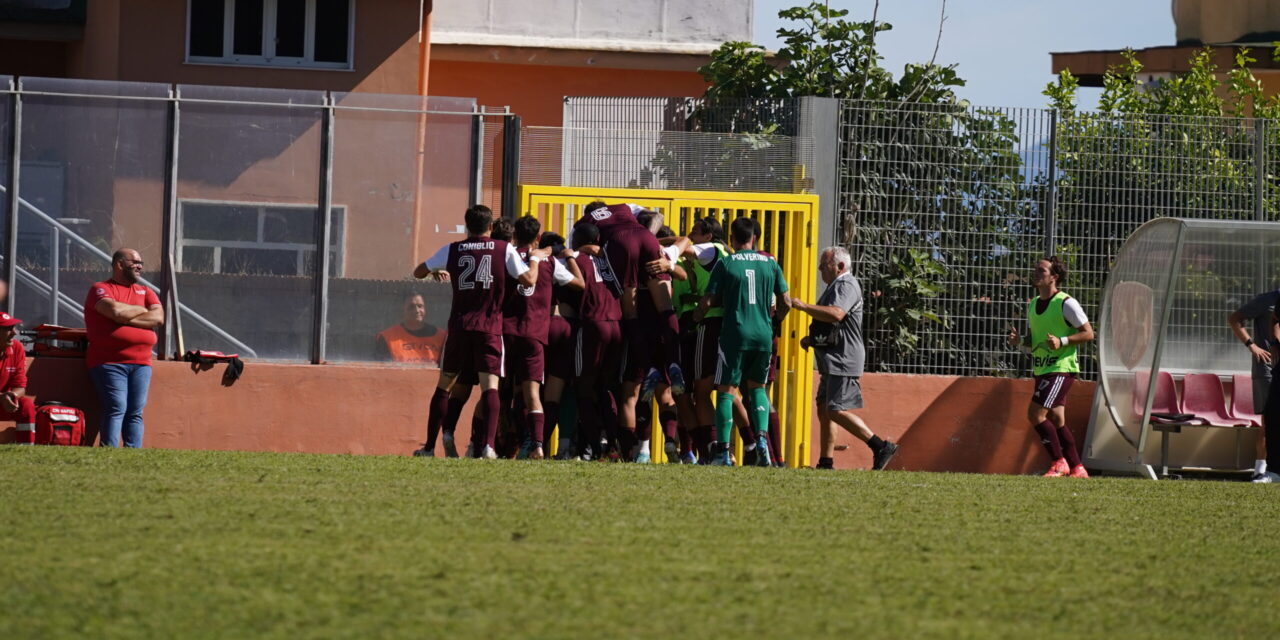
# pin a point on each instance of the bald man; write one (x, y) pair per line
(120, 316)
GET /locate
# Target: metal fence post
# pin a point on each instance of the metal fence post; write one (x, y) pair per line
(1051, 196)
(324, 225)
(1259, 169)
(476, 177)
(510, 166)
(15, 174)
(168, 234)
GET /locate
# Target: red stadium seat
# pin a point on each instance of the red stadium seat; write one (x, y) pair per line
(1203, 397)
(1242, 400)
(1166, 394)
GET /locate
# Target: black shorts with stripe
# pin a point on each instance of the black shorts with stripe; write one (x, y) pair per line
(698, 347)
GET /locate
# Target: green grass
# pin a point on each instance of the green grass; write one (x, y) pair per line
(169, 544)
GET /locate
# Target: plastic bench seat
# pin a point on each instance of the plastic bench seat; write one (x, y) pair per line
(1203, 397)
(1242, 400)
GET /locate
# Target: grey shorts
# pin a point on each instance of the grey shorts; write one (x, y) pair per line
(839, 393)
(1261, 385)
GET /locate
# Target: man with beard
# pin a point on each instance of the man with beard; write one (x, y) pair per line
(120, 317)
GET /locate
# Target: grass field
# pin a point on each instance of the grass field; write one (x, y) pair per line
(172, 544)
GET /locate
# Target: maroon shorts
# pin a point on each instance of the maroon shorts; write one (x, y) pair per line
(472, 352)
(640, 354)
(599, 343)
(628, 249)
(525, 359)
(1052, 388)
(698, 348)
(560, 348)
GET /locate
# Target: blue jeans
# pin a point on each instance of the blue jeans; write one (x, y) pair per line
(123, 391)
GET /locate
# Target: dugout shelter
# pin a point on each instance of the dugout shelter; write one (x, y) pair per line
(1174, 389)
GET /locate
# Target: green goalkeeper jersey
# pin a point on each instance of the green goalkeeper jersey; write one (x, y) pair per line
(746, 283)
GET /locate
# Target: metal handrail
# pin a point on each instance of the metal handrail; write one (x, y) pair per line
(88, 246)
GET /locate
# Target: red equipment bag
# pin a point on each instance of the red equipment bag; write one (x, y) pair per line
(57, 341)
(58, 424)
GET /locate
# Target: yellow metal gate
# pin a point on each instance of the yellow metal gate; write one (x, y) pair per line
(789, 222)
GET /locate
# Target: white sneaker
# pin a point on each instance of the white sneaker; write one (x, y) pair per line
(1269, 477)
(489, 453)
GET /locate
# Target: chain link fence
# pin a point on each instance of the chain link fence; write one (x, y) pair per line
(946, 208)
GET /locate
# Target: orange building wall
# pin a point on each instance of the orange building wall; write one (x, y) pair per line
(536, 92)
(943, 423)
(145, 40)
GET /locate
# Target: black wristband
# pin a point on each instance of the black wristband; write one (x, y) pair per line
(1249, 342)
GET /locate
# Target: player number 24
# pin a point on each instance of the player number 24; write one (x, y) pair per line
(484, 274)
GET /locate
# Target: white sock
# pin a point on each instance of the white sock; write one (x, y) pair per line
(644, 447)
(1259, 466)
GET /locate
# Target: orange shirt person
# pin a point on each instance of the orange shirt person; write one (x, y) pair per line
(413, 340)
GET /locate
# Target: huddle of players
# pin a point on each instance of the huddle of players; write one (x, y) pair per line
(622, 315)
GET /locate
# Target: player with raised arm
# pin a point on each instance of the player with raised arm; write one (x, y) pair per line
(627, 247)
(743, 283)
(478, 267)
(1057, 326)
(526, 320)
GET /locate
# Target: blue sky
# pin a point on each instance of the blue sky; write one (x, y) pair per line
(1001, 46)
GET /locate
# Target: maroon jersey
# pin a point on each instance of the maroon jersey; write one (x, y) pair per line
(607, 218)
(478, 273)
(527, 310)
(595, 302)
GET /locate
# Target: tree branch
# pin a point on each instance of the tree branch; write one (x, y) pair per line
(871, 53)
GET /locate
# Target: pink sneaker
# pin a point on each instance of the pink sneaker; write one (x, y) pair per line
(1079, 472)
(1058, 469)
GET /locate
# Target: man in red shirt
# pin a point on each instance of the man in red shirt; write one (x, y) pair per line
(14, 403)
(120, 317)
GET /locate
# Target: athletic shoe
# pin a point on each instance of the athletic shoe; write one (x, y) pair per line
(828, 466)
(424, 452)
(642, 458)
(1079, 472)
(450, 450)
(536, 454)
(586, 454)
(565, 452)
(525, 449)
(749, 457)
(489, 453)
(1058, 469)
(884, 455)
(762, 452)
(1269, 477)
(688, 458)
(470, 451)
(720, 456)
(676, 376)
(650, 384)
(672, 451)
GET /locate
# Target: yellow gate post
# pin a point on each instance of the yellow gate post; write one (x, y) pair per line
(789, 223)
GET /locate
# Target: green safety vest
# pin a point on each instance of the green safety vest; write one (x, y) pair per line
(687, 293)
(1051, 322)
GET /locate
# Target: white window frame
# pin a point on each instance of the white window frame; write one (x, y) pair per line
(268, 57)
(339, 244)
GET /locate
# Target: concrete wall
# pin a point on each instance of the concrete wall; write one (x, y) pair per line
(943, 423)
(700, 22)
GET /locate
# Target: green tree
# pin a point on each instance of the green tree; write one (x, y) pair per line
(923, 175)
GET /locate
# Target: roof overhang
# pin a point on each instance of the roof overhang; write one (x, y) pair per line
(1090, 66)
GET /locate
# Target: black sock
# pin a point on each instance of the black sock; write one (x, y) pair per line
(826, 463)
(875, 443)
